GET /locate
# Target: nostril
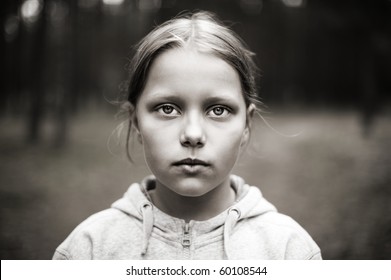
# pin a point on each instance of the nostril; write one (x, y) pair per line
(189, 138)
(192, 141)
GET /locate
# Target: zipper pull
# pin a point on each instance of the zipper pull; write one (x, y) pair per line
(186, 235)
(187, 228)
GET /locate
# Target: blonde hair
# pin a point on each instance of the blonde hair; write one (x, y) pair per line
(206, 34)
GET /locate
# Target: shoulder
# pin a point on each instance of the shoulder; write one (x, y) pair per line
(87, 238)
(278, 220)
(285, 230)
(101, 221)
(275, 236)
(103, 218)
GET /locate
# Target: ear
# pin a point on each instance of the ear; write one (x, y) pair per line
(133, 121)
(247, 130)
(250, 114)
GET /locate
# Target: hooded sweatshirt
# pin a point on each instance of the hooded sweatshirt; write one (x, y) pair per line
(133, 228)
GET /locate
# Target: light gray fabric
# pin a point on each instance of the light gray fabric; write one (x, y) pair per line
(134, 229)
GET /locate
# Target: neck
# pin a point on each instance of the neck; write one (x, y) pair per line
(198, 208)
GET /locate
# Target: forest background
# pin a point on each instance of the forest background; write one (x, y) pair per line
(325, 74)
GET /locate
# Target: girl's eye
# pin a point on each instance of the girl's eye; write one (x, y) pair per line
(168, 110)
(219, 111)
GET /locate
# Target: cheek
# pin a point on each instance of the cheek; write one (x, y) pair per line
(153, 145)
(157, 141)
(230, 142)
(155, 154)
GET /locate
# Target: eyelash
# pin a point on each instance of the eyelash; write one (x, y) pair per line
(160, 109)
(224, 112)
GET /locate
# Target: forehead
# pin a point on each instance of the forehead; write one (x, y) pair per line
(180, 70)
(183, 57)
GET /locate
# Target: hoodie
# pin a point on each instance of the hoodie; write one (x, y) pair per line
(133, 228)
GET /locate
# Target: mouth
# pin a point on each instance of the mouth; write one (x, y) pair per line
(191, 162)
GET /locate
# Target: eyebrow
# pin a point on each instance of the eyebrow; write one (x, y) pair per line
(209, 99)
(221, 99)
(169, 96)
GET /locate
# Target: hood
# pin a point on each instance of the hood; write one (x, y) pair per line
(137, 204)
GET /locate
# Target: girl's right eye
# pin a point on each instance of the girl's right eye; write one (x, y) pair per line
(168, 110)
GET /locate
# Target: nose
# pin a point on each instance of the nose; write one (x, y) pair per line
(192, 134)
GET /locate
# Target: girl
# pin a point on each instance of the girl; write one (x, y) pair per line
(191, 100)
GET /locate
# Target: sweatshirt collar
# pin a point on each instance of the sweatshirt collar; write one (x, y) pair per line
(136, 203)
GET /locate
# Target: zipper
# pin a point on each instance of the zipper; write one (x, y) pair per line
(186, 241)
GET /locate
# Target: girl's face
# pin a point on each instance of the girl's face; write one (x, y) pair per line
(191, 117)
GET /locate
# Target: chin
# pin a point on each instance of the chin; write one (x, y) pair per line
(191, 188)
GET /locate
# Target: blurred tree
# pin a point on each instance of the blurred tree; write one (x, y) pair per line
(34, 75)
(60, 55)
(10, 54)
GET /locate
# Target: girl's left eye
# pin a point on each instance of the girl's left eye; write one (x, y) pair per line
(218, 111)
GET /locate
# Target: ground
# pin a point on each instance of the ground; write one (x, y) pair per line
(332, 179)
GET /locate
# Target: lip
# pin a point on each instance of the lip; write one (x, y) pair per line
(191, 162)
